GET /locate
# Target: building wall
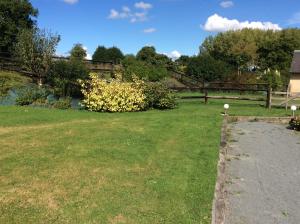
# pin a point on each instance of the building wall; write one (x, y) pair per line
(295, 83)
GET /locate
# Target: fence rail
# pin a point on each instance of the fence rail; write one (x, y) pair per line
(12, 64)
(238, 87)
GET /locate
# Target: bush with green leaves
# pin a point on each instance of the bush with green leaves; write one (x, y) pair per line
(143, 70)
(62, 103)
(114, 96)
(295, 123)
(273, 78)
(10, 81)
(32, 94)
(159, 96)
(63, 77)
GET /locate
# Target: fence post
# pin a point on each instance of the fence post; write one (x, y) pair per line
(287, 97)
(269, 98)
(206, 94)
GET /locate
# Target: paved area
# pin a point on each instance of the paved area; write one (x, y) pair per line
(263, 174)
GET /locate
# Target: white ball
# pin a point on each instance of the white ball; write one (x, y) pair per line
(293, 108)
(226, 106)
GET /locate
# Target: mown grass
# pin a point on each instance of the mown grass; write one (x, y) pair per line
(83, 167)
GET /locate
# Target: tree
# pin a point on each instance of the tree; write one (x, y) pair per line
(102, 53)
(35, 49)
(63, 75)
(206, 68)
(276, 51)
(147, 54)
(114, 54)
(15, 15)
(143, 70)
(273, 78)
(78, 53)
(183, 60)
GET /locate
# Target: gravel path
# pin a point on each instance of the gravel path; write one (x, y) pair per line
(263, 174)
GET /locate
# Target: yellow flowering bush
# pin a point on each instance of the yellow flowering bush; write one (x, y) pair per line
(113, 96)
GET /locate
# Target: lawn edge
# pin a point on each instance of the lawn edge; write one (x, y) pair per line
(218, 208)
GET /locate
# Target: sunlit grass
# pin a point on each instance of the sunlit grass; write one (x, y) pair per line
(83, 167)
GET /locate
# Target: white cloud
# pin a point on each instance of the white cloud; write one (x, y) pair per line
(216, 23)
(114, 14)
(71, 2)
(227, 4)
(88, 56)
(139, 17)
(173, 55)
(127, 13)
(143, 5)
(126, 9)
(295, 19)
(150, 30)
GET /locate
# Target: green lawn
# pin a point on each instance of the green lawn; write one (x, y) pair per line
(83, 167)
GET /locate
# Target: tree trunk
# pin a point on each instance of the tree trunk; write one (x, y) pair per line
(40, 81)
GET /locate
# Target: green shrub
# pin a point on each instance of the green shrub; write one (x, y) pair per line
(32, 94)
(143, 70)
(11, 80)
(63, 77)
(159, 96)
(116, 96)
(273, 78)
(63, 103)
(295, 123)
(167, 102)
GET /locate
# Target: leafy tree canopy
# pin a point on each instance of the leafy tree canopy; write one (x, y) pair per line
(207, 68)
(35, 49)
(15, 15)
(78, 53)
(254, 48)
(133, 67)
(150, 56)
(107, 54)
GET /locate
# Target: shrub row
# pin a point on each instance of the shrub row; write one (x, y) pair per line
(117, 96)
(38, 96)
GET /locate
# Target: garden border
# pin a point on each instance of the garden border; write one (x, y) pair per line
(219, 201)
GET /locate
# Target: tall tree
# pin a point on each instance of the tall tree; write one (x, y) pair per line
(206, 68)
(15, 15)
(78, 53)
(150, 56)
(102, 53)
(114, 54)
(35, 49)
(147, 54)
(276, 51)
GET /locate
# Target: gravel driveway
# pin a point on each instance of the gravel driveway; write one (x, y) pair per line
(263, 174)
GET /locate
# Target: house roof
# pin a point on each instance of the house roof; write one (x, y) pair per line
(295, 68)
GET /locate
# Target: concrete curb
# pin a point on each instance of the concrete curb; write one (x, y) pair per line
(219, 202)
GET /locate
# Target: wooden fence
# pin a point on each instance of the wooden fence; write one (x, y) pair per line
(239, 88)
(12, 64)
(284, 99)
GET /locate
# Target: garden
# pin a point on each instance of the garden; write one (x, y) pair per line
(145, 167)
(81, 145)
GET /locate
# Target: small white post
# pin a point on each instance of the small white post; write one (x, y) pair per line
(293, 108)
(226, 107)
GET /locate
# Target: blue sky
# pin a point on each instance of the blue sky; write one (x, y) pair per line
(172, 26)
